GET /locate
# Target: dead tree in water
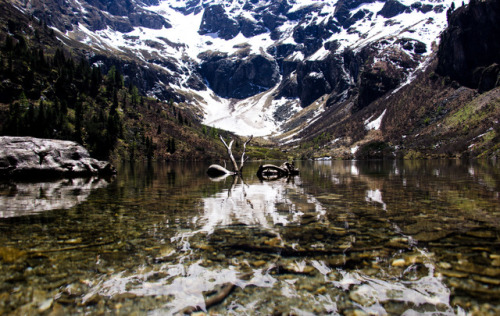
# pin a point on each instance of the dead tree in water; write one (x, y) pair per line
(218, 170)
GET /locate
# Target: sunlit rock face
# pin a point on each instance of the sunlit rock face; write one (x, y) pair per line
(21, 199)
(32, 157)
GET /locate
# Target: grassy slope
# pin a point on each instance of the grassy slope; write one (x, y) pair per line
(431, 117)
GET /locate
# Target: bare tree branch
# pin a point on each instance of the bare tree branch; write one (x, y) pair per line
(217, 170)
(243, 159)
(229, 152)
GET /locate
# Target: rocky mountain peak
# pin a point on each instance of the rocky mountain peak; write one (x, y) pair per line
(225, 57)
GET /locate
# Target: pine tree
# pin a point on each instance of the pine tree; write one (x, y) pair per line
(30, 119)
(78, 122)
(171, 146)
(41, 121)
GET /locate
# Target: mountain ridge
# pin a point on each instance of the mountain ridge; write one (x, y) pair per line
(283, 68)
(292, 40)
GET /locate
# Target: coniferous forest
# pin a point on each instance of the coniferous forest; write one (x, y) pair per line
(48, 92)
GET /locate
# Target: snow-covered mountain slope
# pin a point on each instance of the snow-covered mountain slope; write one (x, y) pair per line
(252, 66)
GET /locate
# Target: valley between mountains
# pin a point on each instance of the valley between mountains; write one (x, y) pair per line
(161, 79)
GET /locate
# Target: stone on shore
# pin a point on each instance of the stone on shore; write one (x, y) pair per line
(30, 157)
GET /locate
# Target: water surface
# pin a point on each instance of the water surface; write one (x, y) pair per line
(343, 237)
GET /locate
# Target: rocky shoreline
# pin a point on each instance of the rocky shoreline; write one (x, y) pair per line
(30, 157)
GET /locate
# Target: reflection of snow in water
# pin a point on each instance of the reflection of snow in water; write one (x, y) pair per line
(19, 199)
(186, 284)
(370, 292)
(354, 169)
(375, 196)
(257, 205)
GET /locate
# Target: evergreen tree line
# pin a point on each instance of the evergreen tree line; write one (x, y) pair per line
(47, 94)
(58, 98)
(54, 97)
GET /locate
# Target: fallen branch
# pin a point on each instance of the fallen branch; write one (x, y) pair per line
(215, 299)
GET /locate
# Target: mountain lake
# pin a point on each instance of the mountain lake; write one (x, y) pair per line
(341, 238)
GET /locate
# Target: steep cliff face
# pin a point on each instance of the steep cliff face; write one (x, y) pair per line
(239, 76)
(215, 20)
(469, 50)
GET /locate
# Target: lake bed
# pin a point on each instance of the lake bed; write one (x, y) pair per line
(343, 237)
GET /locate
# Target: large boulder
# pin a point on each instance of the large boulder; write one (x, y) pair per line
(29, 157)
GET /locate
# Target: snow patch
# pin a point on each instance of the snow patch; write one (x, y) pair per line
(376, 123)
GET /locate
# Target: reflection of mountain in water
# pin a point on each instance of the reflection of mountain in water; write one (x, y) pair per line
(263, 204)
(19, 199)
(343, 238)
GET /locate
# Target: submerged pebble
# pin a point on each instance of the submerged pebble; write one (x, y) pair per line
(45, 305)
(399, 263)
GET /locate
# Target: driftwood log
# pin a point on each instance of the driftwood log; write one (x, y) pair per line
(270, 172)
(218, 170)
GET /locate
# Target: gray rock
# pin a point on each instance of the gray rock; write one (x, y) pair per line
(29, 157)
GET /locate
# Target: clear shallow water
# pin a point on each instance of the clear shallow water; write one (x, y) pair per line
(344, 237)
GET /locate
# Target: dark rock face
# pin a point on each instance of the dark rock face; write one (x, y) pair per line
(392, 8)
(312, 36)
(384, 70)
(238, 78)
(280, 53)
(317, 78)
(424, 8)
(470, 45)
(121, 15)
(272, 21)
(412, 46)
(343, 12)
(249, 28)
(215, 20)
(34, 157)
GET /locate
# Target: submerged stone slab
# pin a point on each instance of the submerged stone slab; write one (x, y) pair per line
(27, 157)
